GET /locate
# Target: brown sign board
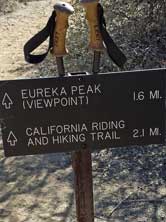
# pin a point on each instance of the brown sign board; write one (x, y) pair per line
(69, 113)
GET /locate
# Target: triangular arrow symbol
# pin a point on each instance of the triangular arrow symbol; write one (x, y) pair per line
(7, 102)
(12, 140)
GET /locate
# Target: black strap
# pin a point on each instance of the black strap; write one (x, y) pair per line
(38, 39)
(112, 49)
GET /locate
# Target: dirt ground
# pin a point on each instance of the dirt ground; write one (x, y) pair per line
(129, 183)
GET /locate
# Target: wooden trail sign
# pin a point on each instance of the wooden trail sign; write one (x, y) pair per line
(69, 113)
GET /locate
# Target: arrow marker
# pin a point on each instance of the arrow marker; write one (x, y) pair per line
(7, 102)
(12, 140)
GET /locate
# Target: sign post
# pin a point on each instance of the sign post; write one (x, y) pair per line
(82, 113)
(82, 166)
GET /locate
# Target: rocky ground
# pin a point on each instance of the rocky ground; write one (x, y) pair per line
(129, 183)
